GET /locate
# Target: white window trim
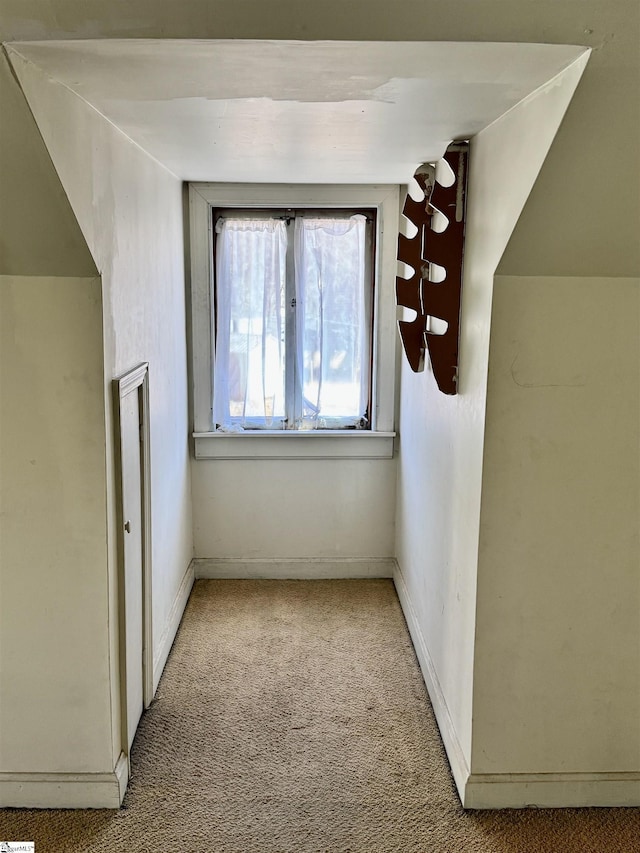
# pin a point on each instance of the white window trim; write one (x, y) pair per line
(376, 442)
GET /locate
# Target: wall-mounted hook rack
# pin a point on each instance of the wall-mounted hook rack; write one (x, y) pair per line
(427, 250)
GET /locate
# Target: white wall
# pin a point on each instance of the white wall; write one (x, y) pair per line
(287, 508)
(441, 446)
(557, 654)
(323, 508)
(130, 211)
(54, 646)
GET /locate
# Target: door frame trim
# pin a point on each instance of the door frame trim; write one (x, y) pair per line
(135, 380)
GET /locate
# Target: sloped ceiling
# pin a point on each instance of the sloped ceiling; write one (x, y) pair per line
(39, 234)
(287, 111)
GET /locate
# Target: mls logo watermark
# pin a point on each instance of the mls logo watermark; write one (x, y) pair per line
(17, 846)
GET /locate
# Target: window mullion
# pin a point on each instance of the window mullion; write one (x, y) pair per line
(291, 404)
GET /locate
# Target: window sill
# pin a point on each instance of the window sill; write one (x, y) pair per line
(316, 444)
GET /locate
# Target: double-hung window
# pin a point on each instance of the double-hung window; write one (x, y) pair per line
(294, 295)
(293, 331)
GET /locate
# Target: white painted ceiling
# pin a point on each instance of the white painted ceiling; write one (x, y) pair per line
(285, 111)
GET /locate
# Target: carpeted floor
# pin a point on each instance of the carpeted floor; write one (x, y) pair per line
(292, 718)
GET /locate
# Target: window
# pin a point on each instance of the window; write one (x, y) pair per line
(293, 332)
(293, 296)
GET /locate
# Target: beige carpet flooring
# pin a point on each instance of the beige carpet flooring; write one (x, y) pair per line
(292, 718)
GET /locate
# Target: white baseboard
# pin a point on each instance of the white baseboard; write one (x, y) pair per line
(452, 745)
(295, 569)
(65, 790)
(551, 790)
(511, 790)
(173, 623)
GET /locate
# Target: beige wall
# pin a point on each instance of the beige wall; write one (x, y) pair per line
(581, 220)
(55, 711)
(54, 645)
(561, 231)
(130, 211)
(557, 655)
(38, 232)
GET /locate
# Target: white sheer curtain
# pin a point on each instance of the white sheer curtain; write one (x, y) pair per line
(249, 371)
(313, 372)
(332, 330)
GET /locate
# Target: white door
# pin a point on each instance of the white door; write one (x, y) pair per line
(132, 536)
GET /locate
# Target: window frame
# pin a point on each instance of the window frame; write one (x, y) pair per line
(374, 442)
(290, 214)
